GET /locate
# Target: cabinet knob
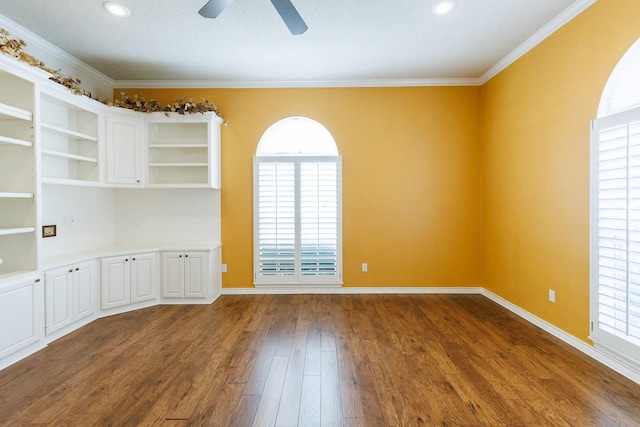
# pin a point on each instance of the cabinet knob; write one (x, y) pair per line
(133, 259)
(71, 271)
(77, 268)
(185, 255)
(37, 280)
(126, 260)
(138, 181)
(180, 256)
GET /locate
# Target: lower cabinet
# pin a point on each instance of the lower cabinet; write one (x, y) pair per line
(70, 294)
(21, 316)
(129, 279)
(185, 274)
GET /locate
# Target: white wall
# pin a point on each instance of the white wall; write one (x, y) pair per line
(168, 217)
(85, 218)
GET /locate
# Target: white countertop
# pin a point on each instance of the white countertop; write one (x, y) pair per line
(59, 261)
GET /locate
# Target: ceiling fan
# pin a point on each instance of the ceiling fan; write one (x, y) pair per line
(285, 8)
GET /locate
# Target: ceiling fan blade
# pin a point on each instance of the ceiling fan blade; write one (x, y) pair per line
(213, 8)
(290, 16)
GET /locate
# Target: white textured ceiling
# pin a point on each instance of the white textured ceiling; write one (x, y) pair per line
(347, 40)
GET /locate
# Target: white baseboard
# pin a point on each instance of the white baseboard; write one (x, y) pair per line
(21, 354)
(274, 290)
(606, 359)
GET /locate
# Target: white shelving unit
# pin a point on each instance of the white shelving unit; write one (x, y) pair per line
(70, 149)
(183, 151)
(50, 138)
(18, 176)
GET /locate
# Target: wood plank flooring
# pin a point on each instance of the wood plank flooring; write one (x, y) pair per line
(316, 360)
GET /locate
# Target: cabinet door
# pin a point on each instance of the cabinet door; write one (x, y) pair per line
(196, 272)
(59, 298)
(124, 150)
(21, 314)
(115, 281)
(85, 282)
(144, 277)
(172, 275)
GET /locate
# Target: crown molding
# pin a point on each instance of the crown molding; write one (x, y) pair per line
(38, 42)
(266, 84)
(551, 27)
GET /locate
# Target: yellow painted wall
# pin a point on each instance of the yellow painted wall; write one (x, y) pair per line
(455, 186)
(535, 133)
(411, 177)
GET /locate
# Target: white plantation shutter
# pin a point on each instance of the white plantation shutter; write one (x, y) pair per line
(297, 220)
(615, 257)
(276, 218)
(318, 218)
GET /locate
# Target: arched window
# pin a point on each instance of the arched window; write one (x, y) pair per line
(615, 213)
(298, 136)
(297, 205)
(622, 91)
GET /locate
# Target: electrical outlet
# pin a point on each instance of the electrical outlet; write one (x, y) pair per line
(223, 268)
(365, 267)
(552, 295)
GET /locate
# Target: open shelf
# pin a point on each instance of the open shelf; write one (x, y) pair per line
(5, 231)
(179, 152)
(70, 152)
(68, 132)
(8, 111)
(18, 176)
(72, 182)
(5, 140)
(178, 145)
(178, 165)
(69, 156)
(16, 195)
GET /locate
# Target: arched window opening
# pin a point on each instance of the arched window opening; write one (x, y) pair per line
(622, 91)
(298, 136)
(615, 214)
(297, 205)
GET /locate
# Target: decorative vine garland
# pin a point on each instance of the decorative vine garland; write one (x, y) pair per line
(13, 47)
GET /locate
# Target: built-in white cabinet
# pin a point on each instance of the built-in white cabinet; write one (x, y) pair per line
(128, 279)
(50, 137)
(70, 135)
(21, 316)
(183, 151)
(70, 294)
(185, 274)
(124, 147)
(18, 213)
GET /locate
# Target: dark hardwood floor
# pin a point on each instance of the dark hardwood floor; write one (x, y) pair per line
(307, 360)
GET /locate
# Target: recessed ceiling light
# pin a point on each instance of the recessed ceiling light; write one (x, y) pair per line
(116, 9)
(443, 7)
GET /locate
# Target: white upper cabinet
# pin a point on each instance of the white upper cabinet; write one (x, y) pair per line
(70, 132)
(124, 143)
(18, 176)
(183, 150)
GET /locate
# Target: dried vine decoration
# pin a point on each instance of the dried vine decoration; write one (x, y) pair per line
(13, 47)
(179, 106)
(10, 46)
